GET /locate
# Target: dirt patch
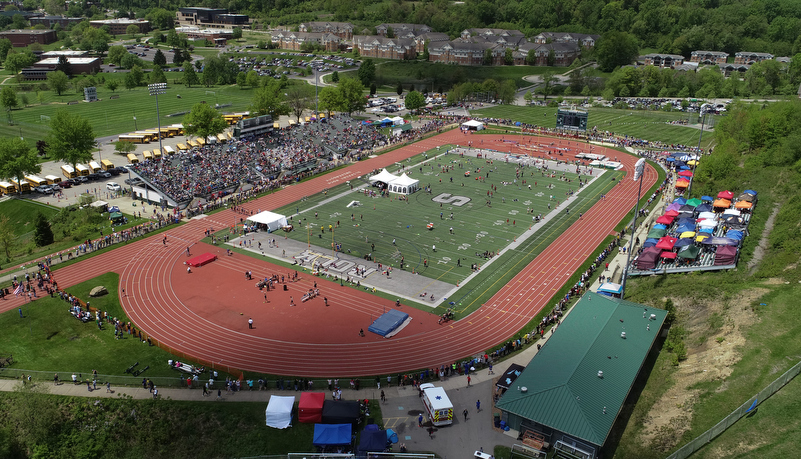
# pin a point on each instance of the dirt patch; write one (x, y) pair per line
(715, 336)
(741, 449)
(759, 251)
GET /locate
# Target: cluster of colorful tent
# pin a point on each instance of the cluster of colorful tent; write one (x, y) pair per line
(334, 422)
(687, 226)
(682, 163)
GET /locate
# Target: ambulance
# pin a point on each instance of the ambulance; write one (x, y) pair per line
(437, 404)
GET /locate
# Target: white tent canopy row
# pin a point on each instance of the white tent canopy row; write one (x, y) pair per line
(473, 125)
(272, 220)
(402, 185)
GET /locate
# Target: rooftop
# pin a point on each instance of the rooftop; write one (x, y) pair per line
(564, 390)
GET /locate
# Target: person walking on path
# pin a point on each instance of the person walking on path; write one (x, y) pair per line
(431, 433)
(206, 389)
(383, 397)
(465, 414)
(219, 394)
(478, 406)
(420, 420)
(468, 380)
(108, 387)
(55, 379)
(155, 392)
(250, 323)
(20, 313)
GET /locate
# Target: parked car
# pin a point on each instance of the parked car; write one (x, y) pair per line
(113, 186)
(44, 189)
(113, 172)
(92, 177)
(104, 174)
(65, 184)
(134, 181)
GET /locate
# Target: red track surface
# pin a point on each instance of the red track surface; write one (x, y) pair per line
(204, 314)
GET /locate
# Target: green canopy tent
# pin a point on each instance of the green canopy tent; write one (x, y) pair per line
(689, 252)
(695, 202)
(656, 233)
(116, 217)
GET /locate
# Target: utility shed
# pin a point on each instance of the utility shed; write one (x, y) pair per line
(570, 394)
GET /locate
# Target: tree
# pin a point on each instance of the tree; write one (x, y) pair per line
(116, 53)
(252, 79)
(330, 100)
(335, 77)
(241, 80)
(269, 100)
(159, 58)
(130, 81)
(162, 19)
(298, 97)
(546, 88)
(64, 65)
(390, 32)
(527, 97)
(157, 76)
(5, 47)
(132, 29)
(487, 57)
(71, 138)
(399, 89)
(366, 72)
(8, 98)
(237, 33)
(415, 100)
(506, 91)
(373, 88)
(58, 81)
(508, 58)
(123, 148)
(17, 159)
(112, 85)
(190, 76)
(137, 75)
(41, 148)
(42, 233)
(128, 61)
(7, 235)
(352, 92)
(203, 120)
(616, 49)
(17, 61)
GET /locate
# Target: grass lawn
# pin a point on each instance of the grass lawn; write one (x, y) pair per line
(651, 125)
(116, 116)
(49, 339)
(21, 213)
(436, 76)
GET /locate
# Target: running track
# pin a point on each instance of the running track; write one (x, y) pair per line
(204, 315)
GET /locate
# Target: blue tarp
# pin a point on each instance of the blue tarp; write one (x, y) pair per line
(372, 441)
(707, 230)
(388, 322)
(721, 241)
(650, 242)
(751, 192)
(331, 434)
(660, 226)
(707, 198)
(683, 242)
(392, 436)
(734, 234)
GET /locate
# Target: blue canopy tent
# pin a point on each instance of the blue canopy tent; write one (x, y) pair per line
(705, 207)
(721, 241)
(332, 434)
(734, 234)
(372, 441)
(707, 230)
(683, 228)
(610, 289)
(680, 201)
(685, 220)
(751, 192)
(670, 160)
(392, 437)
(707, 198)
(660, 226)
(650, 242)
(683, 242)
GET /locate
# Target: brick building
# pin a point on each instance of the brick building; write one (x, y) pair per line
(563, 54)
(402, 30)
(295, 40)
(663, 60)
(709, 57)
(20, 38)
(343, 30)
(50, 21)
(581, 39)
(79, 65)
(212, 18)
(745, 57)
(462, 53)
(386, 48)
(429, 37)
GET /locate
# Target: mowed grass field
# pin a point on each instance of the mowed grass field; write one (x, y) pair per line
(116, 116)
(477, 227)
(642, 124)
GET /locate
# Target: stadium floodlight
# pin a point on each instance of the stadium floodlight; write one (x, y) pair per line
(639, 172)
(156, 89)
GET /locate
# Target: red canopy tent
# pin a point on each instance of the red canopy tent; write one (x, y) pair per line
(647, 259)
(672, 213)
(668, 255)
(665, 220)
(310, 407)
(726, 195)
(685, 174)
(666, 243)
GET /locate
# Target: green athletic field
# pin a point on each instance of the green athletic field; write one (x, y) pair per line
(477, 226)
(642, 124)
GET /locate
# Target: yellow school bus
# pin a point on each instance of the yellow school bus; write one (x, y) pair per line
(157, 153)
(168, 150)
(148, 156)
(35, 181)
(52, 179)
(22, 186)
(106, 164)
(182, 146)
(132, 158)
(94, 166)
(68, 171)
(133, 138)
(192, 143)
(82, 170)
(8, 188)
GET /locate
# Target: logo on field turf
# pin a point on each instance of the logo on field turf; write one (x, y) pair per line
(446, 198)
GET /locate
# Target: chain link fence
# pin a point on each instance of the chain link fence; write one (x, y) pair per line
(706, 437)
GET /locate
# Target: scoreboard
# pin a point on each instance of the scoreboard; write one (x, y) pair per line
(571, 119)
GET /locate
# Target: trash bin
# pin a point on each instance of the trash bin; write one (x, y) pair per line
(497, 420)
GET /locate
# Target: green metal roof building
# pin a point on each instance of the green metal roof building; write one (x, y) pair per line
(572, 391)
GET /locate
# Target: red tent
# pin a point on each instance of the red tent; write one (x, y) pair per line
(726, 195)
(668, 255)
(672, 213)
(725, 255)
(666, 243)
(648, 257)
(685, 174)
(665, 220)
(310, 407)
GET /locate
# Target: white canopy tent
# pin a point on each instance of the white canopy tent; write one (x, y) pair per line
(473, 125)
(279, 411)
(403, 185)
(383, 176)
(272, 220)
(396, 120)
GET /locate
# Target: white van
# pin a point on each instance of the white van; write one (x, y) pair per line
(437, 405)
(113, 186)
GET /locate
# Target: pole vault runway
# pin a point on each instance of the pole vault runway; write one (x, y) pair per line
(203, 315)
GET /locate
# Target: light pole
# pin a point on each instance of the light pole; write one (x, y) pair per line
(155, 90)
(700, 136)
(639, 171)
(316, 100)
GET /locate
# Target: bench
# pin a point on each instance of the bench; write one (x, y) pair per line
(114, 96)
(74, 102)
